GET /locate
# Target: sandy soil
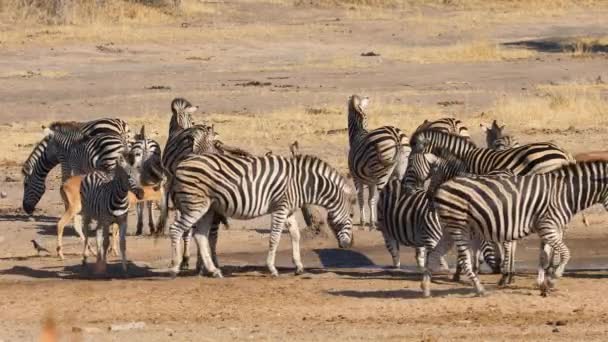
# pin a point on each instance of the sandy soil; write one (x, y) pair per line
(350, 295)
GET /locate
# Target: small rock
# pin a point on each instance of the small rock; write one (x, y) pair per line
(127, 326)
(76, 329)
(555, 330)
(561, 323)
(3, 194)
(89, 330)
(10, 179)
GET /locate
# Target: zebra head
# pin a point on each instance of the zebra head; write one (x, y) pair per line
(35, 169)
(340, 214)
(144, 155)
(182, 115)
(493, 132)
(418, 170)
(357, 119)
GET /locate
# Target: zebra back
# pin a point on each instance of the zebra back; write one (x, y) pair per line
(182, 115)
(447, 125)
(107, 126)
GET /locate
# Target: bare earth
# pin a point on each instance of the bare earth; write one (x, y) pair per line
(310, 58)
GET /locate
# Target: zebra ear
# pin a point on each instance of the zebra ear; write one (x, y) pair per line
(431, 158)
(142, 132)
(47, 131)
(364, 103)
(293, 148)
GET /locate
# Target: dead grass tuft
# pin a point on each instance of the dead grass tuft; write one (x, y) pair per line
(556, 106)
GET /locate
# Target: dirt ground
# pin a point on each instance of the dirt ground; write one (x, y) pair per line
(306, 61)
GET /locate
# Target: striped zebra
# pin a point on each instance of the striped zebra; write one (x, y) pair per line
(54, 149)
(107, 126)
(105, 202)
(182, 115)
(448, 125)
(245, 187)
(197, 139)
(532, 158)
(374, 156)
(496, 139)
(510, 208)
(143, 152)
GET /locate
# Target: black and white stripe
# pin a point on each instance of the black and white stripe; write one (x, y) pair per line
(526, 159)
(417, 163)
(182, 115)
(42, 159)
(145, 155)
(374, 155)
(246, 187)
(510, 208)
(495, 137)
(105, 201)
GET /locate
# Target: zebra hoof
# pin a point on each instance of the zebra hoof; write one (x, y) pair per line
(217, 274)
(185, 265)
(456, 278)
(299, 271)
(274, 274)
(504, 280)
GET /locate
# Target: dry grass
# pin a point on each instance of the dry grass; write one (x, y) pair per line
(476, 51)
(578, 105)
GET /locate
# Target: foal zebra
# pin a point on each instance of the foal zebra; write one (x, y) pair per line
(510, 208)
(105, 201)
(143, 151)
(374, 156)
(496, 139)
(246, 187)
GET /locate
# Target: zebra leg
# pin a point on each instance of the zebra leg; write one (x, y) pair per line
(437, 255)
(491, 255)
(101, 248)
(543, 265)
(123, 243)
(213, 235)
(294, 233)
(140, 218)
(164, 208)
(151, 223)
(185, 264)
(85, 251)
(511, 265)
(552, 236)
(278, 222)
(201, 237)
(422, 260)
(507, 263)
(392, 245)
(182, 225)
(372, 207)
(462, 241)
(360, 198)
(557, 255)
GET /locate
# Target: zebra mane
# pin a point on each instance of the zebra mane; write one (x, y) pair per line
(179, 104)
(425, 137)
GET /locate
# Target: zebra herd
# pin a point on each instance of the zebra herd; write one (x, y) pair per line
(431, 191)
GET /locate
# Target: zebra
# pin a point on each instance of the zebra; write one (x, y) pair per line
(245, 187)
(182, 116)
(496, 139)
(40, 162)
(143, 150)
(417, 161)
(510, 208)
(374, 156)
(526, 159)
(105, 201)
